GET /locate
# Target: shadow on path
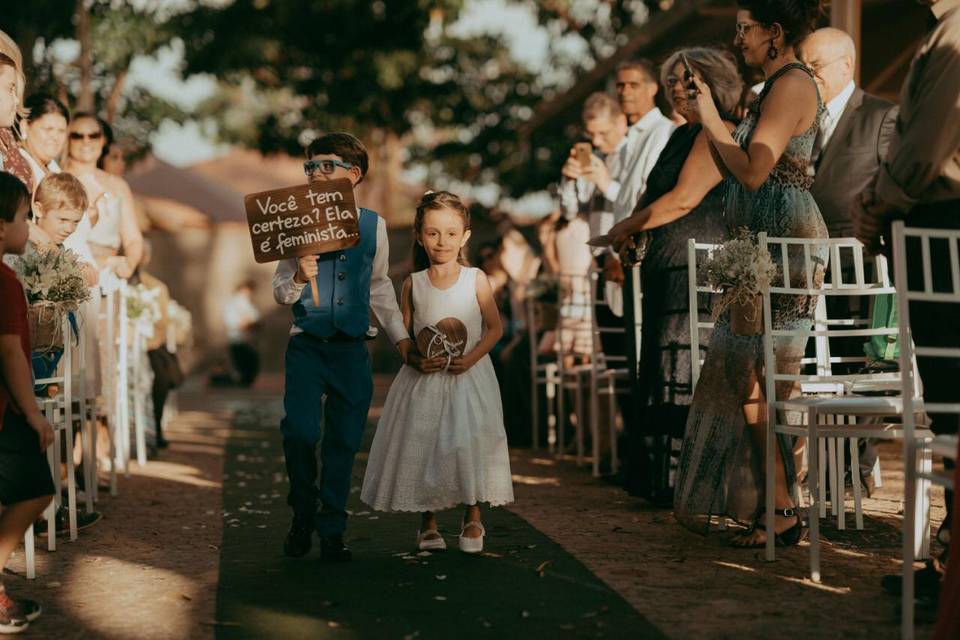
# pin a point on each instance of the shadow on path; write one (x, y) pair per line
(524, 585)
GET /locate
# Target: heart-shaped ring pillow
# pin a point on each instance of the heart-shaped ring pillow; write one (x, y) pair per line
(447, 338)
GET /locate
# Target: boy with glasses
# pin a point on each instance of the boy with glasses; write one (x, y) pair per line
(327, 356)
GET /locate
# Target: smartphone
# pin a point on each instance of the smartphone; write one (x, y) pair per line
(688, 75)
(583, 151)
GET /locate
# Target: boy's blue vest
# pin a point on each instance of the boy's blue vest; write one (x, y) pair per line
(344, 288)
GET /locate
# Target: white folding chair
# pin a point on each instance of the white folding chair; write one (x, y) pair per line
(543, 371)
(609, 376)
(575, 331)
(694, 289)
(830, 411)
(60, 413)
(112, 301)
(140, 374)
(917, 481)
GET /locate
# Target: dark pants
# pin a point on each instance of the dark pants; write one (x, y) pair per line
(246, 362)
(340, 371)
(935, 324)
(166, 378)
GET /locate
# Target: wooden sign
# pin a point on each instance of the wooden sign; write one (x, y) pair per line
(309, 219)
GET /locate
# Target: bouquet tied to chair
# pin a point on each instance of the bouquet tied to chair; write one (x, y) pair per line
(54, 285)
(739, 270)
(143, 308)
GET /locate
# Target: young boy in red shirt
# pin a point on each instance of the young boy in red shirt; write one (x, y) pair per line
(26, 486)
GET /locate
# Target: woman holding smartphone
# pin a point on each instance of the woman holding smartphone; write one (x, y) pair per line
(767, 161)
(664, 387)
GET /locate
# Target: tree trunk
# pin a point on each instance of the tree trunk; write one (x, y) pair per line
(85, 60)
(113, 101)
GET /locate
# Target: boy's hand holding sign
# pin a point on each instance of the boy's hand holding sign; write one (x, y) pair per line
(303, 222)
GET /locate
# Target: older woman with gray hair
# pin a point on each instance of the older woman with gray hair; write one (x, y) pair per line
(671, 211)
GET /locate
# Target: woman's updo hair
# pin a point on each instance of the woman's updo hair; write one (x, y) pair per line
(797, 17)
(434, 201)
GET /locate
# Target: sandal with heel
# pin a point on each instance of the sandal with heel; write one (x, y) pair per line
(787, 538)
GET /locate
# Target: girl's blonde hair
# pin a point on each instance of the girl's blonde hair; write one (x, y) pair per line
(434, 201)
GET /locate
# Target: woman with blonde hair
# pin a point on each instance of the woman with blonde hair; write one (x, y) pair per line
(12, 87)
(115, 239)
(664, 387)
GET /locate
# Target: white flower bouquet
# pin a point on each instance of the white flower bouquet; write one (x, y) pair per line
(143, 304)
(53, 283)
(740, 269)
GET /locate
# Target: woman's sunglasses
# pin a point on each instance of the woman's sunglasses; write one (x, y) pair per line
(77, 135)
(326, 167)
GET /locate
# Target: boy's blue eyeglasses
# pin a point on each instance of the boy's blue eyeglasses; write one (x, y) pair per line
(326, 167)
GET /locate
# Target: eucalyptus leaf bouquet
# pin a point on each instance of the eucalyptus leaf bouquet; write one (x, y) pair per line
(740, 270)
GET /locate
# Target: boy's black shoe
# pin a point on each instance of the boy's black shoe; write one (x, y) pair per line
(299, 540)
(84, 521)
(332, 549)
(29, 609)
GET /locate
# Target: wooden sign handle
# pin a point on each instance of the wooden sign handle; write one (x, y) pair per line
(314, 292)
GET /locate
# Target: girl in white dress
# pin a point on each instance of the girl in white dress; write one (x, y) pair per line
(441, 441)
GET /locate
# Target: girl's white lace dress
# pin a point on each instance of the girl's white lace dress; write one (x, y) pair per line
(440, 440)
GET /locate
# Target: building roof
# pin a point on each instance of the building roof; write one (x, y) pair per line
(156, 179)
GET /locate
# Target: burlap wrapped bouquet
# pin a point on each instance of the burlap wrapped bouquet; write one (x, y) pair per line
(53, 283)
(740, 269)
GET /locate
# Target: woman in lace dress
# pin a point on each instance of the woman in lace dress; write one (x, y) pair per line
(767, 159)
(664, 382)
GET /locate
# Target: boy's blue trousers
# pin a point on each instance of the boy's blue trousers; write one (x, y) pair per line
(339, 370)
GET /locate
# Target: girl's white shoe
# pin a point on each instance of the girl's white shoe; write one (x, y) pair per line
(472, 545)
(425, 543)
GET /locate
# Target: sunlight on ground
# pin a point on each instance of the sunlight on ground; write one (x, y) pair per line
(536, 480)
(733, 565)
(849, 552)
(173, 472)
(543, 462)
(807, 582)
(167, 585)
(271, 623)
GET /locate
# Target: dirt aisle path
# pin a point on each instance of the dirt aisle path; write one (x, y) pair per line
(615, 568)
(149, 568)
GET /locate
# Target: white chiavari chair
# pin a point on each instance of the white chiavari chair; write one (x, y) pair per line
(831, 411)
(918, 472)
(543, 371)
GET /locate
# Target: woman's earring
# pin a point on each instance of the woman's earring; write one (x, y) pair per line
(773, 53)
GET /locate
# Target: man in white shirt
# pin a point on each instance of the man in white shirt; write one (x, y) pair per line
(593, 190)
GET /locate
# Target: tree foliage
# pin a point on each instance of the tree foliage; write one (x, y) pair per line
(119, 32)
(290, 69)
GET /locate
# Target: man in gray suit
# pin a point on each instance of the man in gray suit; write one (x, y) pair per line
(855, 133)
(847, 153)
